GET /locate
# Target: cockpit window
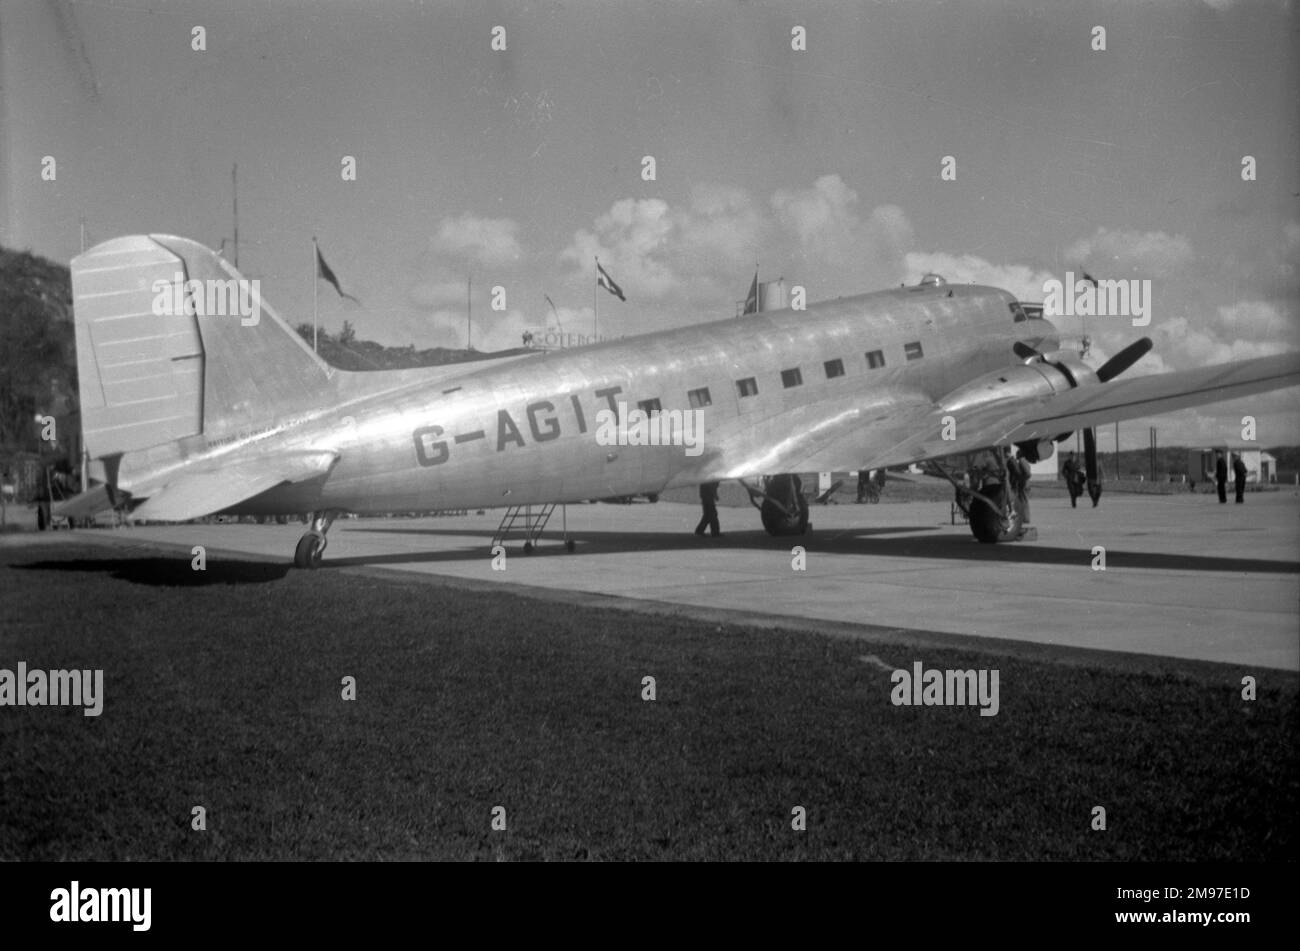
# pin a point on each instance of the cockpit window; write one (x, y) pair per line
(1021, 312)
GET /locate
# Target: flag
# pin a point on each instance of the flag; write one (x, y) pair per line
(555, 313)
(607, 282)
(323, 270)
(751, 299)
(1090, 279)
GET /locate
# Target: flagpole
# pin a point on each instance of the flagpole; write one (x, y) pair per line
(315, 287)
(595, 302)
(234, 189)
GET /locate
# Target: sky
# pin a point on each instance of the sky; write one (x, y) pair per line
(514, 168)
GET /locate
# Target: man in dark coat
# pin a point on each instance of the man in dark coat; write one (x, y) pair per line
(1075, 478)
(1239, 476)
(1221, 475)
(1018, 474)
(709, 501)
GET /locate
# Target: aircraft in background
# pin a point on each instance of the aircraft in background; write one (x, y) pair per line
(190, 414)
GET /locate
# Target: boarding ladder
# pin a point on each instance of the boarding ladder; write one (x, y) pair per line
(530, 520)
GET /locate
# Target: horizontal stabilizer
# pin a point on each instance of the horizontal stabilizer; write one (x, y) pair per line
(84, 505)
(195, 494)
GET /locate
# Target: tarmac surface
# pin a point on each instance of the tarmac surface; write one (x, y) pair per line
(1185, 577)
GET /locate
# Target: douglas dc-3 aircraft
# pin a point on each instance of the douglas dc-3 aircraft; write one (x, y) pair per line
(189, 414)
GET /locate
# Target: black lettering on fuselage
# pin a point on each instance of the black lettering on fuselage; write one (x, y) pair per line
(507, 431)
(553, 424)
(577, 411)
(542, 423)
(429, 453)
(609, 393)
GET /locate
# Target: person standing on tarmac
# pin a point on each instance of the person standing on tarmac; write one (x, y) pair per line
(1018, 474)
(1221, 475)
(1074, 479)
(1239, 476)
(709, 502)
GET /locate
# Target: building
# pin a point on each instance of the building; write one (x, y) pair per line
(1261, 466)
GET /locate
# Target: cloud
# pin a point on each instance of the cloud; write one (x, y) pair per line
(722, 230)
(828, 228)
(1143, 254)
(488, 241)
(1259, 320)
(655, 250)
(631, 240)
(438, 289)
(1195, 346)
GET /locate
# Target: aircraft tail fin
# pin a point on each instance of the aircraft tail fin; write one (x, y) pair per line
(173, 342)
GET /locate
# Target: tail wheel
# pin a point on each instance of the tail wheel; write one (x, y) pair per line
(987, 523)
(308, 552)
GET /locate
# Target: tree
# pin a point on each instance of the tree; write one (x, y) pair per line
(38, 366)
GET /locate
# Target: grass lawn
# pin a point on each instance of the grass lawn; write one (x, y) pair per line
(223, 690)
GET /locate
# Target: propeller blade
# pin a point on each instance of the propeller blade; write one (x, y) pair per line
(1124, 359)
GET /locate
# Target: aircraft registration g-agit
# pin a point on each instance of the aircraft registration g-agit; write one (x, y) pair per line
(187, 413)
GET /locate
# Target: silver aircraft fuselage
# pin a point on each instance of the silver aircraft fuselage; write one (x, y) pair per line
(524, 430)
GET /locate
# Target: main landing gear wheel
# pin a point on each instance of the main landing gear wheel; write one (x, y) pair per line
(312, 545)
(988, 524)
(309, 550)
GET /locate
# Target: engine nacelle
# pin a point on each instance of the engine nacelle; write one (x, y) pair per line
(1014, 383)
(1068, 363)
(1037, 451)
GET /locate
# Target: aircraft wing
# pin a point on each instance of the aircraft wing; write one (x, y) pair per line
(1153, 395)
(903, 428)
(999, 418)
(192, 494)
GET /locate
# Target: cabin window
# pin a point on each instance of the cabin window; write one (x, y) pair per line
(747, 387)
(913, 350)
(649, 406)
(791, 377)
(834, 368)
(875, 359)
(699, 397)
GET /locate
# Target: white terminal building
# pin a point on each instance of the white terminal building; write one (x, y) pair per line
(1261, 466)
